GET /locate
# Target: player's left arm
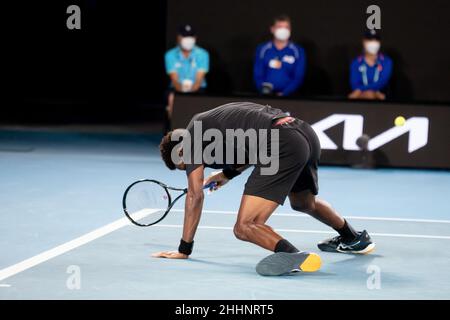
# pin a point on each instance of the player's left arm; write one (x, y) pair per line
(222, 177)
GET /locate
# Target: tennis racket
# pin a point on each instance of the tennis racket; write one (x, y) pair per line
(147, 202)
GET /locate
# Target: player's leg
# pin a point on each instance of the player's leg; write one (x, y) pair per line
(303, 198)
(265, 191)
(303, 193)
(250, 225)
(305, 201)
(348, 240)
(262, 195)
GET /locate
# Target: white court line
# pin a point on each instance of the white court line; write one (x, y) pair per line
(100, 232)
(349, 217)
(398, 235)
(75, 243)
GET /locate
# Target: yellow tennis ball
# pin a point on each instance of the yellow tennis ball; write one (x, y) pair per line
(399, 121)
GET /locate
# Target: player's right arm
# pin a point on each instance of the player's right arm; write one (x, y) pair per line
(192, 212)
(193, 204)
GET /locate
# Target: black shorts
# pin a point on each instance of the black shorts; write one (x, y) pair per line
(299, 153)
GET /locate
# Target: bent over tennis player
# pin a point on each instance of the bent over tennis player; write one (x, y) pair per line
(297, 151)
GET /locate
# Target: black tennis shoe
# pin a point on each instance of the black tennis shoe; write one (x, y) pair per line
(362, 244)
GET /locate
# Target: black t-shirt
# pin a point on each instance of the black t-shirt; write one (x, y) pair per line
(236, 115)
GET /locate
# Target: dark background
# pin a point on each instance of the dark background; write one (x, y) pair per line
(113, 68)
(110, 70)
(415, 34)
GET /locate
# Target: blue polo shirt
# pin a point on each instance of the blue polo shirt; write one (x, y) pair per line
(187, 67)
(365, 77)
(284, 69)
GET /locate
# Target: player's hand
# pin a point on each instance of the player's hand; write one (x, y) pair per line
(218, 177)
(170, 255)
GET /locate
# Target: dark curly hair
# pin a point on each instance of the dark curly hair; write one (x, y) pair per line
(165, 147)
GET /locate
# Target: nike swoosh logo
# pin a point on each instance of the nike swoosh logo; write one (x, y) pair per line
(343, 246)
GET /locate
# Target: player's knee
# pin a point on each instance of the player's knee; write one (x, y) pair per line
(240, 230)
(237, 230)
(307, 205)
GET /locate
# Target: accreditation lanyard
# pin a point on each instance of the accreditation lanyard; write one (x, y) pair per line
(189, 70)
(376, 75)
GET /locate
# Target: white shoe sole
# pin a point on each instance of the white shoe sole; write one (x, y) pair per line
(366, 250)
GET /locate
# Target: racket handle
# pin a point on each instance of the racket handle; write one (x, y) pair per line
(210, 185)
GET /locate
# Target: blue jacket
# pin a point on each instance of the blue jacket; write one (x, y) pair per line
(364, 77)
(284, 69)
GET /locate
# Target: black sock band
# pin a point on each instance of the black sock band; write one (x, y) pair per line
(285, 246)
(185, 247)
(347, 232)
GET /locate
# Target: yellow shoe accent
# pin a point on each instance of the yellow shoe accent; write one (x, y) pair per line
(312, 263)
(369, 249)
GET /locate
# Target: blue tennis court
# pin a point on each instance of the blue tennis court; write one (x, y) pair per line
(63, 234)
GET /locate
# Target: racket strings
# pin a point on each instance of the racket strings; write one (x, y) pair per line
(146, 202)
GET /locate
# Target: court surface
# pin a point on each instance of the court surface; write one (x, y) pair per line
(63, 234)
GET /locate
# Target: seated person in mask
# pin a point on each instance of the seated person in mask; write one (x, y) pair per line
(186, 65)
(371, 71)
(280, 64)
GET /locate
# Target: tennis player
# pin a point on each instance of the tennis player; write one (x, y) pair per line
(296, 178)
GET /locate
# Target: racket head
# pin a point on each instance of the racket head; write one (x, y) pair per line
(146, 202)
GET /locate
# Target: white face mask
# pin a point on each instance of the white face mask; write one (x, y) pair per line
(372, 47)
(282, 34)
(187, 43)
